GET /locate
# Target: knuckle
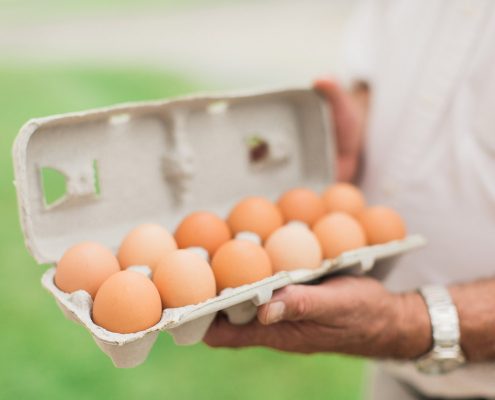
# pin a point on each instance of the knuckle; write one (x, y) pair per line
(300, 308)
(301, 302)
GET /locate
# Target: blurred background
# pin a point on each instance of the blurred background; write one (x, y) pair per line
(58, 56)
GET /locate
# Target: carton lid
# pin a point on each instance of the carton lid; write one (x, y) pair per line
(157, 161)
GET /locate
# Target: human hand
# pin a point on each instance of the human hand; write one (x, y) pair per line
(345, 314)
(349, 111)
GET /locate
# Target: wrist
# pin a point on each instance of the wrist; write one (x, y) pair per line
(474, 303)
(413, 327)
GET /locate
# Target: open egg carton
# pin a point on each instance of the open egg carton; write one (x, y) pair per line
(158, 161)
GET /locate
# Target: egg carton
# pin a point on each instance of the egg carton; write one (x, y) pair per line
(158, 161)
(189, 324)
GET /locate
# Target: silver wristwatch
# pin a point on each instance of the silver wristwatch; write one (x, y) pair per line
(446, 354)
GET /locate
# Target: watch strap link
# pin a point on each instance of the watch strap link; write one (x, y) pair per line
(443, 315)
(446, 353)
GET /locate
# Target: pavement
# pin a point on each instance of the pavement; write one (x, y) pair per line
(227, 44)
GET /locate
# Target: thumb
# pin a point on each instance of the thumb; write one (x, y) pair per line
(292, 303)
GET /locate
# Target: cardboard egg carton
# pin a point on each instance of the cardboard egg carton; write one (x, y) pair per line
(158, 161)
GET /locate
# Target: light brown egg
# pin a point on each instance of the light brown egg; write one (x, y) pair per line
(339, 232)
(344, 197)
(255, 214)
(127, 302)
(292, 247)
(146, 244)
(239, 262)
(301, 205)
(183, 278)
(85, 266)
(382, 224)
(202, 229)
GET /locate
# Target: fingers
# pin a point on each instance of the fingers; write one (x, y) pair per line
(331, 89)
(308, 303)
(224, 334)
(343, 111)
(301, 318)
(347, 165)
(292, 303)
(284, 336)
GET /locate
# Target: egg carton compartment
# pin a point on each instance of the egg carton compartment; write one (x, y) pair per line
(189, 324)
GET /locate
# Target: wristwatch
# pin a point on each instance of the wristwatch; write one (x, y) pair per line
(446, 354)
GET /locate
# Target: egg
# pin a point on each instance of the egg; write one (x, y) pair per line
(255, 214)
(183, 277)
(202, 229)
(339, 232)
(146, 244)
(382, 224)
(85, 266)
(239, 262)
(292, 247)
(344, 197)
(127, 302)
(301, 205)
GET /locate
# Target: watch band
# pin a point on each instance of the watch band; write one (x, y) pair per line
(446, 354)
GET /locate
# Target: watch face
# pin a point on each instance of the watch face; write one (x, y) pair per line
(449, 364)
(429, 365)
(435, 364)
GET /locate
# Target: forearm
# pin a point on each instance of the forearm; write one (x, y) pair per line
(475, 304)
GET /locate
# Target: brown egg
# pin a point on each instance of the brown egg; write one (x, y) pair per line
(382, 224)
(202, 229)
(182, 278)
(344, 197)
(127, 302)
(146, 244)
(339, 232)
(292, 247)
(301, 205)
(239, 262)
(85, 266)
(255, 214)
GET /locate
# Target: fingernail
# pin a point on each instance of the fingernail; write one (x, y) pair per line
(275, 312)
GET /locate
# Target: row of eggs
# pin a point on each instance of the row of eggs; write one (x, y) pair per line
(297, 232)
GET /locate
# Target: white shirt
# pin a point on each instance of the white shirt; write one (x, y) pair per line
(430, 146)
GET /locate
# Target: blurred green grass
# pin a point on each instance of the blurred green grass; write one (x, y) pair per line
(42, 355)
(30, 8)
